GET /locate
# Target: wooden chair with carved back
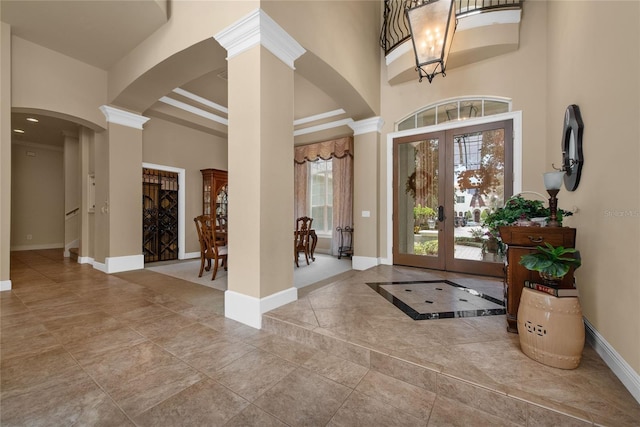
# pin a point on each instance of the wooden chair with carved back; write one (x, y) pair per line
(301, 238)
(209, 250)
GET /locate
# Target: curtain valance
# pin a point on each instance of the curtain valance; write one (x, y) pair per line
(337, 148)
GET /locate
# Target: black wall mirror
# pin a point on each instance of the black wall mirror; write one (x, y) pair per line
(572, 156)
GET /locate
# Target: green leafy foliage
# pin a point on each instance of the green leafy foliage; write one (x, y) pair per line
(551, 260)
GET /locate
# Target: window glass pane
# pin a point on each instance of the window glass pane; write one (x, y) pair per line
(409, 123)
(427, 117)
(321, 194)
(447, 112)
(470, 109)
(495, 107)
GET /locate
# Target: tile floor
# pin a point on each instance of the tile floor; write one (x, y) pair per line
(80, 347)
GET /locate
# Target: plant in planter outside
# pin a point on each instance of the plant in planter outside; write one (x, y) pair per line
(423, 216)
(552, 263)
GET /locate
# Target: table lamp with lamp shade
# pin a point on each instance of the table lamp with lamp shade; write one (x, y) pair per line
(553, 182)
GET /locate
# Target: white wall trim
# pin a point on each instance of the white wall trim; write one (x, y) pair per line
(86, 260)
(37, 247)
(5, 285)
(190, 255)
(181, 202)
(317, 117)
(516, 116)
(122, 263)
(194, 110)
(258, 28)
(614, 361)
(201, 100)
(124, 118)
(373, 124)
(249, 310)
(363, 262)
(324, 126)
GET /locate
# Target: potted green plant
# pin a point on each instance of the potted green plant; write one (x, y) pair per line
(552, 263)
(517, 210)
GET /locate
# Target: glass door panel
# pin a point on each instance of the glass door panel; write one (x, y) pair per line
(480, 178)
(417, 176)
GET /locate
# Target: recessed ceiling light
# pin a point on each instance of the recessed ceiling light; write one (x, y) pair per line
(32, 119)
(18, 131)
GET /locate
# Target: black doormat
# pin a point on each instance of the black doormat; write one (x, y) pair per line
(438, 299)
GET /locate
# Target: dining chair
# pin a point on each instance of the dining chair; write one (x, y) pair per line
(209, 250)
(301, 238)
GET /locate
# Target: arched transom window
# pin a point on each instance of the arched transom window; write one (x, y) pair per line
(455, 109)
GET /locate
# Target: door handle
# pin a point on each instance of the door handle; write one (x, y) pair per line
(440, 213)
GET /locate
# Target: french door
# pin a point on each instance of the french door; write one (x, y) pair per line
(444, 184)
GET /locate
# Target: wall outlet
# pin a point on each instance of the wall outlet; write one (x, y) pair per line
(29, 237)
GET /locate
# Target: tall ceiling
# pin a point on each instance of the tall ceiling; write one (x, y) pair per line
(99, 33)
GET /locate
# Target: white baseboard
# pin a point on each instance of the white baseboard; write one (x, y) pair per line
(249, 310)
(363, 263)
(617, 364)
(5, 285)
(85, 260)
(37, 247)
(119, 264)
(189, 255)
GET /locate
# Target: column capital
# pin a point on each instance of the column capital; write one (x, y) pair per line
(258, 28)
(122, 117)
(373, 124)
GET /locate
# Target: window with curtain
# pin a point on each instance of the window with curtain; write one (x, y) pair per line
(321, 195)
(324, 186)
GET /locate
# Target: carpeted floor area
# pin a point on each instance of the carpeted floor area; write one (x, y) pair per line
(324, 267)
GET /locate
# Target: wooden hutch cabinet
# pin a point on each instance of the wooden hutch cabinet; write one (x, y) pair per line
(521, 241)
(215, 194)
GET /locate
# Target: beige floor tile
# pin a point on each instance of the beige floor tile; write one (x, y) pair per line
(74, 399)
(141, 376)
(448, 412)
(303, 398)
(254, 373)
(254, 416)
(334, 368)
(362, 410)
(205, 403)
(408, 398)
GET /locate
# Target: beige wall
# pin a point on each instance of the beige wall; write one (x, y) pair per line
(168, 144)
(46, 80)
(607, 91)
(37, 197)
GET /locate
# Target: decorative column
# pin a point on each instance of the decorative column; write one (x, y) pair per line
(261, 225)
(119, 193)
(366, 148)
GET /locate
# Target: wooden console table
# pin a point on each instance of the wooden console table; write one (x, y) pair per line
(521, 241)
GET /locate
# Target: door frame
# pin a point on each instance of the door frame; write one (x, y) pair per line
(181, 202)
(515, 116)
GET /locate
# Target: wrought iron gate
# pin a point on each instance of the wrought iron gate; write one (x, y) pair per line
(159, 215)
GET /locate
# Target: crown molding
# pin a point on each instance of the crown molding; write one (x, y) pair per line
(258, 28)
(373, 124)
(194, 110)
(124, 118)
(324, 126)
